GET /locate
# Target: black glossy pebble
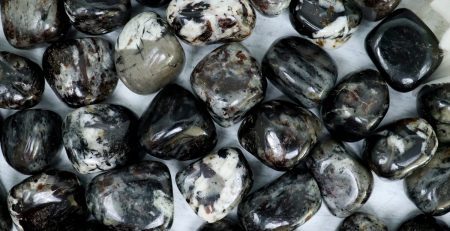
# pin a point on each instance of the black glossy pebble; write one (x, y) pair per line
(362, 222)
(154, 3)
(404, 34)
(5, 218)
(375, 10)
(222, 225)
(423, 223)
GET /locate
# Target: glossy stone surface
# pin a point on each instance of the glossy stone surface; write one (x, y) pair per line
(49, 201)
(22, 82)
(399, 148)
(137, 197)
(270, 8)
(356, 106)
(201, 22)
(176, 126)
(345, 184)
(401, 35)
(31, 140)
(154, 3)
(222, 225)
(5, 218)
(327, 23)
(300, 69)
(423, 223)
(100, 137)
(279, 133)
(378, 9)
(27, 23)
(362, 222)
(148, 55)
(97, 17)
(284, 204)
(80, 71)
(229, 81)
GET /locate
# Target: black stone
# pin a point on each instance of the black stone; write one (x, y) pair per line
(222, 225)
(154, 3)
(5, 218)
(423, 223)
(375, 10)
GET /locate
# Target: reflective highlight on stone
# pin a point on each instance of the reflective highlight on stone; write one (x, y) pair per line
(270, 8)
(423, 223)
(362, 222)
(378, 9)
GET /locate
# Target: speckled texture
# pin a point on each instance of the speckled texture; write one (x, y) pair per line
(362, 222)
(229, 81)
(148, 55)
(423, 223)
(222, 225)
(154, 3)
(31, 140)
(399, 148)
(80, 71)
(5, 218)
(176, 125)
(270, 8)
(138, 197)
(375, 10)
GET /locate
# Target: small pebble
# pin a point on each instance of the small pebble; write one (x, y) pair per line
(362, 222)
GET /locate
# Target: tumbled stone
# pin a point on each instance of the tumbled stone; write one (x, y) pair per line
(31, 140)
(27, 23)
(137, 197)
(5, 218)
(356, 106)
(378, 9)
(345, 184)
(201, 22)
(49, 201)
(279, 133)
(399, 148)
(154, 3)
(401, 35)
(80, 71)
(300, 69)
(222, 225)
(229, 81)
(270, 8)
(327, 23)
(362, 222)
(176, 126)
(98, 17)
(100, 137)
(423, 223)
(148, 55)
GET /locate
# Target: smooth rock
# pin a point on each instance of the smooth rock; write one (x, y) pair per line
(423, 223)
(356, 106)
(362, 222)
(154, 3)
(176, 126)
(401, 35)
(345, 184)
(300, 69)
(201, 22)
(270, 8)
(137, 197)
(80, 71)
(399, 148)
(229, 81)
(5, 218)
(31, 140)
(100, 137)
(222, 225)
(279, 133)
(148, 55)
(327, 23)
(378, 9)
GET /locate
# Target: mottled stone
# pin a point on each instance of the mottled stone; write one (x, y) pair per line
(222, 225)
(345, 184)
(423, 223)
(176, 126)
(5, 218)
(375, 10)
(80, 71)
(154, 3)
(50, 201)
(356, 106)
(98, 17)
(362, 222)
(27, 23)
(404, 34)
(201, 22)
(148, 55)
(300, 69)
(327, 23)
(31, 140)
(399, 148)
(229, 81)
(270, 8)
(138, 197)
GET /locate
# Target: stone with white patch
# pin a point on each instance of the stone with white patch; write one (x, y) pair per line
(271, 8)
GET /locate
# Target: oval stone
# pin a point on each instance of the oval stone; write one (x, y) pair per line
(362, 222)
(270, 8)
(154, 3)
(5, 218)
(222, 225)
(376, 10)
(423, 223)
(356, 106)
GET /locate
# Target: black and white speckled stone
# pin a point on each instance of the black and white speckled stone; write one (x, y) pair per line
(49, 201)
(300, 69)
(80, 71)
(399, 148)
(285, 204)
(154, 3)
(423, 223)
(201, 22)
(362, 222)
(31, 140)
(100, 137)
(137, 197)
(222, 225)
(378, 9)
(176, 126)
(97, 17)
(27, 23)
(270, 8)
(356, 106)
(216, 184)
(400, 35)
(345, 184)
(327, 23)
(148, 55)
(5, 218)
(279, 133)
(229, 81)
(22, 82)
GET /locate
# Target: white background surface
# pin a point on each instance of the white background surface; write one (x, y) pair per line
(388, 200)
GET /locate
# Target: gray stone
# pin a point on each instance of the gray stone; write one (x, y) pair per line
(362, 222)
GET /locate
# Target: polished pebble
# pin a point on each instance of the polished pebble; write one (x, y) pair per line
(378, 9)
(5, 218)
(362, 222)
(154, 3)
(222, 225)
(423, 223)
(270, 8)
